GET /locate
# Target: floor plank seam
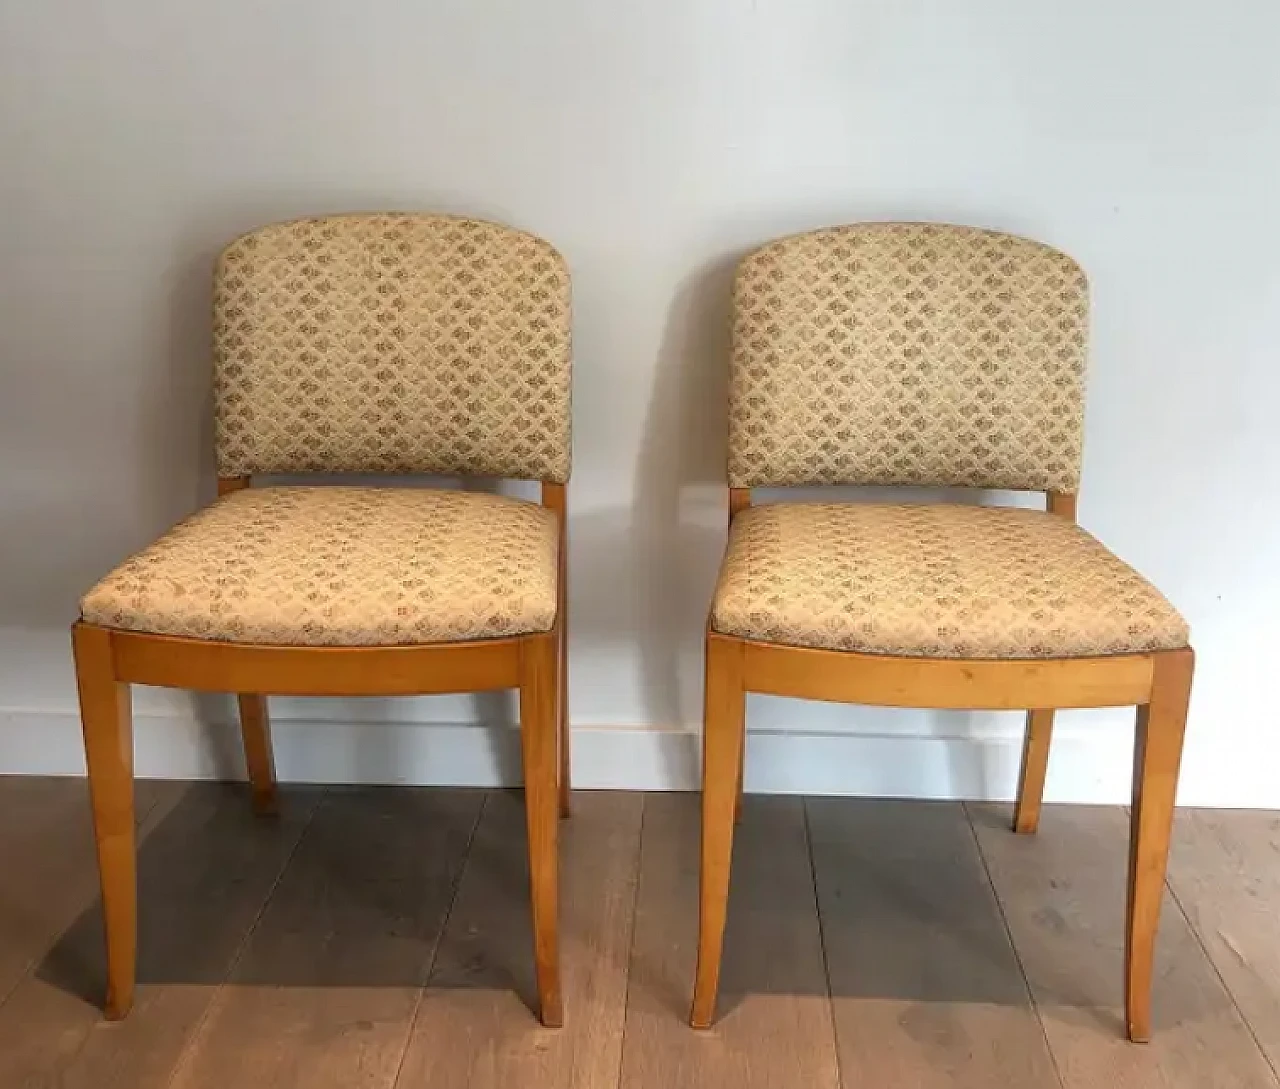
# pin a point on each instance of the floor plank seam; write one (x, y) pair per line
(1226, 987)
(631, 942)
(435, 946)
(196, 1021)
(1013, 945)
(822, 942)
(189, 1045)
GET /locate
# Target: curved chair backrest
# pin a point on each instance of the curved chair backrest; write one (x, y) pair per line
(908, 353)
(392, 343)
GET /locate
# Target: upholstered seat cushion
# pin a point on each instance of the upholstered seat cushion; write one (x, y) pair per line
(329, 566)
(934, 581)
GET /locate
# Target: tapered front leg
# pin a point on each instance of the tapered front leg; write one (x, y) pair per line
(722, 740)
(106, 718)
(539, 670)
(1156, 759)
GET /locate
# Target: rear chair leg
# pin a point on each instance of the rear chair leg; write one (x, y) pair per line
(1035, 762)
(562, 715)
(107, 721)
(742, 775)
(255, 728)
(1156, 759)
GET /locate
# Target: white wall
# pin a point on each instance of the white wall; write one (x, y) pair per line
(653, 143)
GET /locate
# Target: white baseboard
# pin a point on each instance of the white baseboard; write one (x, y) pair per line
(894, 765)
(1089, 763)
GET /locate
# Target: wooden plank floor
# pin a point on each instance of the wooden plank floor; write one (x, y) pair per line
(380, 937)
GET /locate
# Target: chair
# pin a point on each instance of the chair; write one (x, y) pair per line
(357, 344)
(922, 354)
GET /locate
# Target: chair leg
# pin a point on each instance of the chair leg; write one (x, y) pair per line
(1035, 762)
(539, 669)
(255, 728)
(562, 715)
(106, 718)
(723, 727)
(1157, 756)
(742, 775)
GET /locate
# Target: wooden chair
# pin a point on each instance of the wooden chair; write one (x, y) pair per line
(916, 354)
(372, 344)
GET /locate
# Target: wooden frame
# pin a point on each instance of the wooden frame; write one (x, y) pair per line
(108, 661)
(1159, 684)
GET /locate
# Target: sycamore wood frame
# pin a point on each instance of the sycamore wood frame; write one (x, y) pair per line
(1159, 684)
(109, 660)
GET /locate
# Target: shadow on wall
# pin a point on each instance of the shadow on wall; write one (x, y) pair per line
(665, 550)
(681, 498)
(130, 448)
(130, 452)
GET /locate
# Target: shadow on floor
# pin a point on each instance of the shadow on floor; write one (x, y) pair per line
(354, 887)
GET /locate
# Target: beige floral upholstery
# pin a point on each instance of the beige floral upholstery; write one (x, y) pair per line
(937, 581)
(341, 566)
(907, 353)
(392, 343)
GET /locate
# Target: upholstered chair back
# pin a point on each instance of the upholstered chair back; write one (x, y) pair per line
(392, 343)
(908, 353)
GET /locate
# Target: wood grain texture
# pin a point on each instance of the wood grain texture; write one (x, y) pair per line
(229, 484)
(723, 748)
(962, 684)
(205, 666)
(925, 986)
(539, 731)
(106, 715)
(554, 497)
(473, 1029)
(1062, 504)
(563, 729)
(325, 991)
(739, 500)
(774, 1026)
(1063, 894)
(1224, 869)
(1157, 756)
(319, 984)
(204, 872)
(255, 731)
(1035, 765)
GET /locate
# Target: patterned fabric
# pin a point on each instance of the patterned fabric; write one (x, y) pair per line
(392, 343)
(908, 353)
(934, 581)
(341, 567)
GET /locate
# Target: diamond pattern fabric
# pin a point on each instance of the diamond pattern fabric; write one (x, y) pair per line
(336, 566)
(908, 353)
(936, 581)
(392, 343)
